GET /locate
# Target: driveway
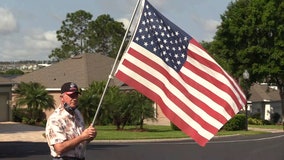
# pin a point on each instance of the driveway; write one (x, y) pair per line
(14, 131)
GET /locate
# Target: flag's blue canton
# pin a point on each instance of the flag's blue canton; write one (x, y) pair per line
(161, 37)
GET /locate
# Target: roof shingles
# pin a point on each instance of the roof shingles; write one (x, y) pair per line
(83, 70)
(261, 92)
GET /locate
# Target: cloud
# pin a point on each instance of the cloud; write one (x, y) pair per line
(209, 26)
(125, 22)
(38, 40)
(36, 45)
(8, 23)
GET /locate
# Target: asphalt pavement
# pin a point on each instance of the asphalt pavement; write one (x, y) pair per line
(21, 141)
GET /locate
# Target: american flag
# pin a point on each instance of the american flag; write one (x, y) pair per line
(168, 66)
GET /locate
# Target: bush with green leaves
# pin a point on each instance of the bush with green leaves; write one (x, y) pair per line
(23, 115)
(255, 121)
(19, 113)
(275, 117)
(34, 97)
(174, 127)
(238, 122)
(266, 122)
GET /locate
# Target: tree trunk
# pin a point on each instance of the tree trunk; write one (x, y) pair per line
(141, 122)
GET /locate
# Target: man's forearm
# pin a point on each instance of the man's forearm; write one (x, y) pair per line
(65, 146)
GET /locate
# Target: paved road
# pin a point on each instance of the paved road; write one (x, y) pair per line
(264, 147)
(261, 147)
(18, 142)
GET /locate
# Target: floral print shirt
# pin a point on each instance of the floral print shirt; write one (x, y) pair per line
(62, 126)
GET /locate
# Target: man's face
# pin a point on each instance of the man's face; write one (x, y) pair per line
(70, 99)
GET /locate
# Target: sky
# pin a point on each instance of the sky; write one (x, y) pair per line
(28, 27)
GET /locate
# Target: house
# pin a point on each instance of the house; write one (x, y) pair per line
(82, 69)
(264, 100)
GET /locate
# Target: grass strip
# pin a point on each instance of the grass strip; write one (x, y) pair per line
(153, 132)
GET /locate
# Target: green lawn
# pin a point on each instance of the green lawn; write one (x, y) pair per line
(154, 132)
(132, 133)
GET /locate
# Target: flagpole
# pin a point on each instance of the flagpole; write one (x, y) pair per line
(115, 62)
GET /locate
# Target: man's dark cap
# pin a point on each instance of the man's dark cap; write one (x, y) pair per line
(69, 88)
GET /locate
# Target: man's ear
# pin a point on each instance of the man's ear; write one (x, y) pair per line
(61, 96)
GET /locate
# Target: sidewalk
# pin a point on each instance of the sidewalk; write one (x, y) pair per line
(14, 131)
(267, 130)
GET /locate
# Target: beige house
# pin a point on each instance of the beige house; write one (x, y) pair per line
(82, 70)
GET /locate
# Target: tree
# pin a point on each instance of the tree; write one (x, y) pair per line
(35, 97)
(112, 110)
(80, 34)
(251, 37)
(107, 35)
(141, 107)
(14, 72)
(118, 106)
(73, 35)
(89, 100)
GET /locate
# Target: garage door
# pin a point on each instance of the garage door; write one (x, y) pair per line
(4, 115)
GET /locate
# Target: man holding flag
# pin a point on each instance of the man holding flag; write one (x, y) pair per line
(65, 128)
(168, 66)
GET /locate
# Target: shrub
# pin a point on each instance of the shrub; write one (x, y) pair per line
(238, 122)
(26, 120)
(266, 122)
(19, 113)
(275, 117)
(41, 123)
(23, 115)
(256, 116)
(255, 121)
(174, 127)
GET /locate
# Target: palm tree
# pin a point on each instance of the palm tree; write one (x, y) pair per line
(89, 100)
(36, 98)
(117, 106)
(128, 107)
(142, 108)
